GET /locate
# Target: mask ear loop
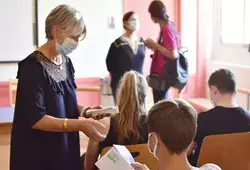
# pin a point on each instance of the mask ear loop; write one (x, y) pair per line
(149, 136)
(155, 147)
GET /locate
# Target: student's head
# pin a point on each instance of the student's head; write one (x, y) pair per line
(221, 83)
(158, 11)
(131, 21)
(131, 100)
(172, 126)
(64, 26)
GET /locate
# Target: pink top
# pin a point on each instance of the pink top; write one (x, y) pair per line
(169, 41)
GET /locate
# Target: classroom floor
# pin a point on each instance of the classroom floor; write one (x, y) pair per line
(5, 138)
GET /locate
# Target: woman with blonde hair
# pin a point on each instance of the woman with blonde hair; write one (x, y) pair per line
(45, 132)
(128, 127)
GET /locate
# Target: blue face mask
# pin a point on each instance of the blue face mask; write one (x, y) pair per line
(67, 47)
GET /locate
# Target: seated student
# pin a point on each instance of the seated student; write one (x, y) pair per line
(226, 117)
(128, 127)
(172, 127)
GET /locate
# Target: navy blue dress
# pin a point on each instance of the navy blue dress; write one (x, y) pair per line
(121, 59)
(38, 94)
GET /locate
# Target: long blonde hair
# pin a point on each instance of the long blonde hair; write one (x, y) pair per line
(131, 100)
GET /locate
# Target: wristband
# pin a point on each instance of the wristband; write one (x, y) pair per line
(65, 124)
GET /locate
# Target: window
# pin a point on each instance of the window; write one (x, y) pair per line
(235, 21)
(231, 31)
(189, 31)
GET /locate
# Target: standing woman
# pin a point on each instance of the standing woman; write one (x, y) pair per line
(167, 45)
(45, 128)
(127, 52)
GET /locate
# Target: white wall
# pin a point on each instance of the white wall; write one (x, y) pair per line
(16, 29)
(8, 71)
(16, 32)
(89, 58)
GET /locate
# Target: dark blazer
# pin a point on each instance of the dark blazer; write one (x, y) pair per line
(121, 59)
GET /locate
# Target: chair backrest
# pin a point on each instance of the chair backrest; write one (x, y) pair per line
(12, 91)
(141, 154)
(229, 151)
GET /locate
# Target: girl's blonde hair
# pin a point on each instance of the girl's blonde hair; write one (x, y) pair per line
(131, 100)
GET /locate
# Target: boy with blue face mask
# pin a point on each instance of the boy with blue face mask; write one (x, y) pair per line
(172, 127)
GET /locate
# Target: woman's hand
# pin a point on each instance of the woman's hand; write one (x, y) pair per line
(138, 166)
(98, 117)
(93, 129)
(150, 43)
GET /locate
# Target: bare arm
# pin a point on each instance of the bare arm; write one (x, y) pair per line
(171, 54)
(91, 155)
(93, 129)
(49, 123)
(92, 152)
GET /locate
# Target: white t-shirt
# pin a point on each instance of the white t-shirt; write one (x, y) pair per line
(208, 167)
(139, 166)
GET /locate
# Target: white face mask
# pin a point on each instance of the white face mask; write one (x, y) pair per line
(67, 47)
(133, 25)
(155, 147)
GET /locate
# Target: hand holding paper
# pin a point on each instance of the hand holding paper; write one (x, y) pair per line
(138, 166)
(98, 112)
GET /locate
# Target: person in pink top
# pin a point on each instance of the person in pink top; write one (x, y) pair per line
(167, 45)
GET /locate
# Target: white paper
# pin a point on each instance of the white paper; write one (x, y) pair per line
(118, 157)
(96, 112)
(125, 153)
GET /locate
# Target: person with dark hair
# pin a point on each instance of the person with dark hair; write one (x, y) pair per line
(167, 46)
(226, 116)
(127, 52)
(172, 127)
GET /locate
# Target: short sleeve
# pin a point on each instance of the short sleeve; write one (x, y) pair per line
(30, 95)
(169, 38)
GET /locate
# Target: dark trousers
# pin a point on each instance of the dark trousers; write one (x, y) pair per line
(159, 95)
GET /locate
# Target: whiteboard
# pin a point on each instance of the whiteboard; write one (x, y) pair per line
(89, 57)
(16, 30)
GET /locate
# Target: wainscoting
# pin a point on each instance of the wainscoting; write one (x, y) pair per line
(84, 98)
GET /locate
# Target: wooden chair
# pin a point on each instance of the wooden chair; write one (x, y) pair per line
(141, 154)
(12, 91)
(230, 151)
